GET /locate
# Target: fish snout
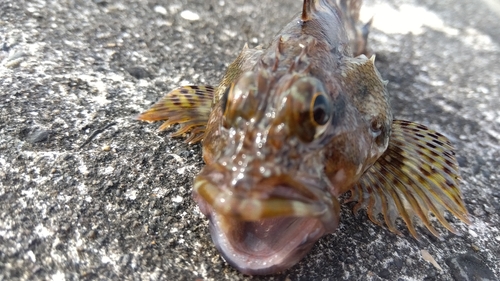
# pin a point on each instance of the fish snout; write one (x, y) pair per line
(249, 199)
(266, 226)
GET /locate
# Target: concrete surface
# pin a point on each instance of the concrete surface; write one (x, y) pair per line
(88, 193)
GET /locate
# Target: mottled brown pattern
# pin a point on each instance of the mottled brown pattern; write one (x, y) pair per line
(432, 179)
(291, 128)
(188, 105)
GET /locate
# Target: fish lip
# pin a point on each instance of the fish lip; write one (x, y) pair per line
(269, 259)
(266, 201)
(256, 243)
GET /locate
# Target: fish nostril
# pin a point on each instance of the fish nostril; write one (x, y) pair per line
(375, 127)
(378, 132)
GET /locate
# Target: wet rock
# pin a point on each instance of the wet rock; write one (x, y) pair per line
(38, 135)
(469, 267)
(138, 72)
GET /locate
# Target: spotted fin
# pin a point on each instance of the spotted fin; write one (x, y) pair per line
(416, 175)
(189, 106)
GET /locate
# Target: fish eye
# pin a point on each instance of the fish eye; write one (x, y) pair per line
(320, 109)
(311, 108)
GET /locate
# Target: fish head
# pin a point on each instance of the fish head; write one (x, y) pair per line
(264, 188)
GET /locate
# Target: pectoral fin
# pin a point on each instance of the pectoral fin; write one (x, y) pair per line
(189, 106)
(417, 175)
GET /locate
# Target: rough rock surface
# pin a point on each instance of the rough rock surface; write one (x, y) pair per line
(87, 192)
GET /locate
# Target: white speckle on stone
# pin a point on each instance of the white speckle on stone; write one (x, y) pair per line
(182, 170)
(188, 15)
(143, 83)
(82, 188)
(372, 232)
(105, 259)
(100, 86)
(42, 231)
(176, 157)
(160, 10)
(31, 9)
(472, 233)
(3, 163)
(493, 133)
(230, 33)
(131, 194)
(83, 169)
(32, 256)
(28, 193)
(58, 276)
(483, 90)
(101, 100)
(177, 199)
(159, 192)
(22, 202)
(174, 230)
(108, 170)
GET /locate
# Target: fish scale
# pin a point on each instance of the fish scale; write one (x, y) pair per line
(294, 126)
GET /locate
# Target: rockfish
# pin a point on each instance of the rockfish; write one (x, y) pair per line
(292, 127)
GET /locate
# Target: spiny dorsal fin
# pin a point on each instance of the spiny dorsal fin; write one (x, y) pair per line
(416, 175)
(307, 10)
(190, 106)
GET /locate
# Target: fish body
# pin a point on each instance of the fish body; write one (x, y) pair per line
(292, 127)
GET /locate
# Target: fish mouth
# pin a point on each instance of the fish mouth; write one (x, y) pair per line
(268, 233)
(266, 246)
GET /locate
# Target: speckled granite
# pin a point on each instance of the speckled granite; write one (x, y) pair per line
(89, 193)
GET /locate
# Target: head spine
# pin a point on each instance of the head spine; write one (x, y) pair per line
(307, 10)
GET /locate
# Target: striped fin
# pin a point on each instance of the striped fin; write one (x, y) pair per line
(190, 106)
(416, 175)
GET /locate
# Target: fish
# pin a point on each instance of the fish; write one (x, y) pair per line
(293, 127)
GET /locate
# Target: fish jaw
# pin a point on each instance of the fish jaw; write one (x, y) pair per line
(266, 246)
(268, 228)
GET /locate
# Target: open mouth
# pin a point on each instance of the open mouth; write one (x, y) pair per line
(266, 246)
(268, 228)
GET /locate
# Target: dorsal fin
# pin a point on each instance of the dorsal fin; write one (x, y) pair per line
(306, 10)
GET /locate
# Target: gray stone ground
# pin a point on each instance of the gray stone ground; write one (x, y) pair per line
(87, 192)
